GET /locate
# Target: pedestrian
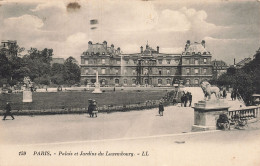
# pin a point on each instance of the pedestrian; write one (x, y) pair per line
(224, 93)
(161, 108)
(185, 99)
(95, 111)
(232, 95)
(182, 99)
(90, 108)
(190, 98)
(8, 111)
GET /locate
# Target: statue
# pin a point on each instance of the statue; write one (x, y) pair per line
(28, 84)
(208, 90)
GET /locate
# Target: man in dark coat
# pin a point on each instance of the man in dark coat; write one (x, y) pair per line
(190, 98)
(90, 108)
(161, 108)
(8, 111)
(186, 99)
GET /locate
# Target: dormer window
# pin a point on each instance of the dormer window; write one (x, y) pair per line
(92, 53)
(199, 53)
(103, 53)
(204, 53)
(87, 53)
(193, 53)
(187, 53)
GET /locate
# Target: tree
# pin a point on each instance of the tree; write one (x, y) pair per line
(71, 73)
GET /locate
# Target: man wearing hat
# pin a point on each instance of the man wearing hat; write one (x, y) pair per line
(8, 111)
(161, 108)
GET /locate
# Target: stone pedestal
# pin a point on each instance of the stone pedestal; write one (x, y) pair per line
(206, 114)
(27, 96)
(97, 88)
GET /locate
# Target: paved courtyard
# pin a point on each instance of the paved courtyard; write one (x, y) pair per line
(151, 139)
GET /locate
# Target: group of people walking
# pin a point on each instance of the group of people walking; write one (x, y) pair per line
(185, 98)
(92, 108)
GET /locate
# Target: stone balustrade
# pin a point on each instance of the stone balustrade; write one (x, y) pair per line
(245, 113)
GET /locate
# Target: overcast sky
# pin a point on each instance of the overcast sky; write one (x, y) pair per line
(231, 29)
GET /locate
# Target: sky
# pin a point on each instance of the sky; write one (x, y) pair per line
(230, 28)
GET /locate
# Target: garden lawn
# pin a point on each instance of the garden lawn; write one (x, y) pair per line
(56, 100)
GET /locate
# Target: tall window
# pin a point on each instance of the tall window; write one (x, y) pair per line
(188, 82)
(116, 71)
(94, 71)
(86, 71)
(205, 71)
(118, 62)
(196, 81)
(205, 60)
(160, 71)
(125, 81)
(196, 61)
(188, 71)
(134, 72)
(145, 71)
(103, 61)
(86, 61)
(133, 81)
(116, 81)
(146, 81)
(168, 72)
(196, 71)
(159, 81)
(160, 61)
(103, 71)
(168, 81)
(168, 61)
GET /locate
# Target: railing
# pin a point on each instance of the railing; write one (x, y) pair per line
(245, 113)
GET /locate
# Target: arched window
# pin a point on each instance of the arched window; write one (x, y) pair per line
(116, 81)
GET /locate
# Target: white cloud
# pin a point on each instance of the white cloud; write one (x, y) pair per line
(24, 21)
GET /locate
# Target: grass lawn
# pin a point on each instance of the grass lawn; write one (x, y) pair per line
(53, 100)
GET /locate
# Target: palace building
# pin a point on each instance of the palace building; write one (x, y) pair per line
(148, 67)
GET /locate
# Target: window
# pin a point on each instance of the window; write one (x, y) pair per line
(196, 61)
(145, 71)
(86, 62)
(204, 53)
(134, 72)
(125, 81)
(196, 71)
(187, 61)
(146, 81)
(103, 71)
(86, 71)
(124, 72)
(187, 53)
(135, 61)
(133, 81)
(196, 81)
(187, 82)
(168, 72)
(187, 71)
(103, 82)
(199, 53)
(116, 71)
(103, 53)
(193, 53)
(160, 61)
(95, 61)
(160, 71)
(205, 60)
(118, 62)
(92, 53)
(116, 81)
(87, 53)
(159, 81)
(168, 61)
(103, 61)
(168, 81)
(205, 71)
(94, 71)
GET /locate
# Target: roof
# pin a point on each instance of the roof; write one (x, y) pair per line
(243, 62)
(218, 63)
(101, 49)
(195, 48)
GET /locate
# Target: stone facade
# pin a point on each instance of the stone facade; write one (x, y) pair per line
(219, 67)
(148, 67)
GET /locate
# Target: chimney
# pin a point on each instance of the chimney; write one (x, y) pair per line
(188, 42)
(203, 43)
(234, 61)
(105, 44)
(158, 49)
(118, 49)
(141, 49)
(89, 44)
(112, 45)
